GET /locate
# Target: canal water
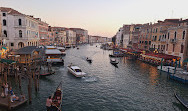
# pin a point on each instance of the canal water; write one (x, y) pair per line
(132, 86)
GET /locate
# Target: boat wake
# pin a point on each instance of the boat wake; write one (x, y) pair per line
(90, 79)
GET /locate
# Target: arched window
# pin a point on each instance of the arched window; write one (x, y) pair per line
(175, 34)
(20, 33)
(5, 33)
(28, 43)
(182, 48)
(4, 22)
(168, 35)
(183, 35)
(20, 21)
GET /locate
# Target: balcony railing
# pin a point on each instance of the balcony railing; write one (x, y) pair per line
(173, 41)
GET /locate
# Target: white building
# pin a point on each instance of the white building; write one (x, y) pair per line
(119, 37)
(70, 37)
(62, 37)
(18, 30)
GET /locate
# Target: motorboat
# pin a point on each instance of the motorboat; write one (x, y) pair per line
(62, 49)
(113, 61)
(89, 60)
(76, 71)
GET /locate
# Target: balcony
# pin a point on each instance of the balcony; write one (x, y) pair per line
(173, 41)
(19, 26)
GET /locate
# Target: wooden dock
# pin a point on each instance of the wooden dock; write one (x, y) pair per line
(4, 103)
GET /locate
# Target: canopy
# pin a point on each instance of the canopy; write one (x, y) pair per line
(186, 60)
(7, 61)
(4, 48)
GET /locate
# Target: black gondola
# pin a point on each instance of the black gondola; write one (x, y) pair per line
(113, 61)
(181, 100)
(57, 98)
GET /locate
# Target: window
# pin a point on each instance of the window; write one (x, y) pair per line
(175, 34)
(156, 30)
(173, 47)
(165, 36)
(159, 38)
(11, 44)
(168, 35)
(159, 47)
(4, 14)
(20, 22)
(20, 33)
(4, 22)
(166, 47)
(183, 35)
(5, 33)
(182, 47)
(149, 42)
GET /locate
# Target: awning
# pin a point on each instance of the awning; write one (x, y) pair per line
(7, 61)
(186, 60)
(4, 48)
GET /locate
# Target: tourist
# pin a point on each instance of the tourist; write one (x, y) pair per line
(48, 103)
(13, 97)
(6, 89)
(3, 90)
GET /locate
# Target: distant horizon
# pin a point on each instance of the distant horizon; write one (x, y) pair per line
(99, 17)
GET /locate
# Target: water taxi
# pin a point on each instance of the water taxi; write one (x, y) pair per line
(76, 71)
(62, 49)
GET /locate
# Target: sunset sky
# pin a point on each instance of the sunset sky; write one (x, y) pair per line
(99, 17)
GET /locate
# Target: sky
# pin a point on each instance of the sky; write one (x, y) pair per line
(99, 17)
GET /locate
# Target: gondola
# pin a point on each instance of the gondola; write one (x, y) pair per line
(113, 61)
(181, 100)
(57, 98)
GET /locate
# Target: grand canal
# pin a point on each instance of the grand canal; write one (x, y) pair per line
(133, 86)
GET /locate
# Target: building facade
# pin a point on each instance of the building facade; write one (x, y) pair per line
(177, 40)
(18, 30)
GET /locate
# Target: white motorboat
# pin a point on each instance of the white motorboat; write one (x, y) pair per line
(76, 71)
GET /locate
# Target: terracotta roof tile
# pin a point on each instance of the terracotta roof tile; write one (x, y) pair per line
(10, 11)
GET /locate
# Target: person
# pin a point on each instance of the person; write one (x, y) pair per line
(6, 89)
(48, 103)
(13, 97)
(3, 90)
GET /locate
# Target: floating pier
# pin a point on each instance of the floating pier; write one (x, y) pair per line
(5, 102)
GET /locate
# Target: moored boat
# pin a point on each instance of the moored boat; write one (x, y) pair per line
(76, 71)
(57, 98)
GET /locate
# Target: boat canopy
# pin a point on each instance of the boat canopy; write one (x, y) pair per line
(50, 47)
(75, 67)
(52, 51)
(61, 48)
